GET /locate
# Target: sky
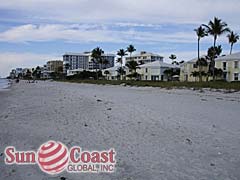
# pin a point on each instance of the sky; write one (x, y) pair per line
(35, 31)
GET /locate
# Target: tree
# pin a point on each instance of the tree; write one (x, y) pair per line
(121, 71)
(132, 65)
(216, 28)
(195, 74)
(232, 39)
(106, 72)
(213, 52)
(121, 53)
(97, 58)
(173, 57)
(200, 32)
(201, 62)
(131, 49)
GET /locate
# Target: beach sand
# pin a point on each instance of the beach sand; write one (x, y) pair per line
(157, 133)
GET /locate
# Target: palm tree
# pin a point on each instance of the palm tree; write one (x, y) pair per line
(216, 28)
(173, 57)
(121, 53)
(201, 32)
(132, 65)
(97, 57)
(106, 73)
(131, 49)
(213, 52)
(232, 39)
(201, 62)
(121, 71)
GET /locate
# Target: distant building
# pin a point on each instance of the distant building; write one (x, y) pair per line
(72, 61)
(230, 65)
(55, 66)
(145, 57)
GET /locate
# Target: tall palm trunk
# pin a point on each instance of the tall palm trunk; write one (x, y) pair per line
(121, 76)
(199, 64)
(213, 63)
(231, 48)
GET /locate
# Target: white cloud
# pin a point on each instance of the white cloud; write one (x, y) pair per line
(88, 33)
(11, 60)
(144, 11)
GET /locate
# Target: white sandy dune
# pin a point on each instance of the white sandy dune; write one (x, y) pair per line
(158, 134)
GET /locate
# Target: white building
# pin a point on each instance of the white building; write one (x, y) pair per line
(230, 65)
(154, 71)
(112, 73)
(145, 57)
(73, 61)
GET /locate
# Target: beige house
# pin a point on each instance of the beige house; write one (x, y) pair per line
(230, 65)
(187, 69)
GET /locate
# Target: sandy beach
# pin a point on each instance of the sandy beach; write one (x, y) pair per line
(157, 133)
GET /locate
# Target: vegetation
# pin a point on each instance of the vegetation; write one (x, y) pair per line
(173, 57)
(196, 85)
(215, 28)
(232, 39)
(121, 53)
(131, 49)
(201, 32)
(97, 58)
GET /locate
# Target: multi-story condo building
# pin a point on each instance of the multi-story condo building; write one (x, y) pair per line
(230, 65)
(145, 57)
(72, 61)
(54, 66)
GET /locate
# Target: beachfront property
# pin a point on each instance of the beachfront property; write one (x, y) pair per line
(154, 71)
(144, 57)
(72, 61)
(230, 65)
(188, 68)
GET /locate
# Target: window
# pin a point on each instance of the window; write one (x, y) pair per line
(146, 78)
(235, 76)
(224, 66)
(235, 64)
(146, 70)
(194, 65)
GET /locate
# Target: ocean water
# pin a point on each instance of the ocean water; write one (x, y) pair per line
(4, 83)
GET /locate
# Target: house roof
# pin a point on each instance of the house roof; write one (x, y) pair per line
(114, 68)
(158, 64)
(235, 56)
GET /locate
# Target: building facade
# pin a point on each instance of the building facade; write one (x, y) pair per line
(55, 66)
(154, 71)
(230, 65)
(144, 57)
(84, 61)
(188, 68)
